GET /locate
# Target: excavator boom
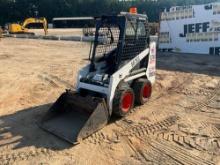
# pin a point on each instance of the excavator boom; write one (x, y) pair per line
(17, 28)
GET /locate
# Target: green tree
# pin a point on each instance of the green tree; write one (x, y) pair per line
(15, 10)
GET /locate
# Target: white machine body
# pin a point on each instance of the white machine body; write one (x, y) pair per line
(123, 74)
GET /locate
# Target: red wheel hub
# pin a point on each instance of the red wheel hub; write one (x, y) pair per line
(147, 91)
(127, 101)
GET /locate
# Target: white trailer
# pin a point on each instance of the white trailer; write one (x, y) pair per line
(191, 29)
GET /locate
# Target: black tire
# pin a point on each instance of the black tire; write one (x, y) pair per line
(142, 90)
(123, 101)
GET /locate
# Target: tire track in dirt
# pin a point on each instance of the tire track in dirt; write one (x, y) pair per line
(54, 81)
(144, 129)
(205, 103)
(197, 142)
(48, 80)
(59, 80)
(177, 87)
(163, 152)
(19, 156)
(139, 130)
(200, 143)
(158, 157)
(201, 107)
(212, 128)
(178, 153)
(147, 156)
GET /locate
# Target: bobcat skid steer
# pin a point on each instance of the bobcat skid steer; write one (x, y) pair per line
(120, 75)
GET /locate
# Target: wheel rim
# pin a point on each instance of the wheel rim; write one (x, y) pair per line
(147, 91)
(127, 101)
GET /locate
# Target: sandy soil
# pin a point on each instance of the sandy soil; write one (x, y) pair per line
(180, 125)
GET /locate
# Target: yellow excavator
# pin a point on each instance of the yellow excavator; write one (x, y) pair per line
(22, 28)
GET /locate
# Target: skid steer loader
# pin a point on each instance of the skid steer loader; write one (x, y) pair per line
(120, 75)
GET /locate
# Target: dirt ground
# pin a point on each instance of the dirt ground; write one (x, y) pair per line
(180, 125)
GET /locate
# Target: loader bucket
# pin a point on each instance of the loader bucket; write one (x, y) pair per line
(73, 117)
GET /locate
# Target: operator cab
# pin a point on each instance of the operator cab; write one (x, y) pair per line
(118, 39)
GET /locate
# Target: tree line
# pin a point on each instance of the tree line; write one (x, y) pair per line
(18, 10)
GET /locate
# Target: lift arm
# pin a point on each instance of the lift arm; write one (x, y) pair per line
(36, 21)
